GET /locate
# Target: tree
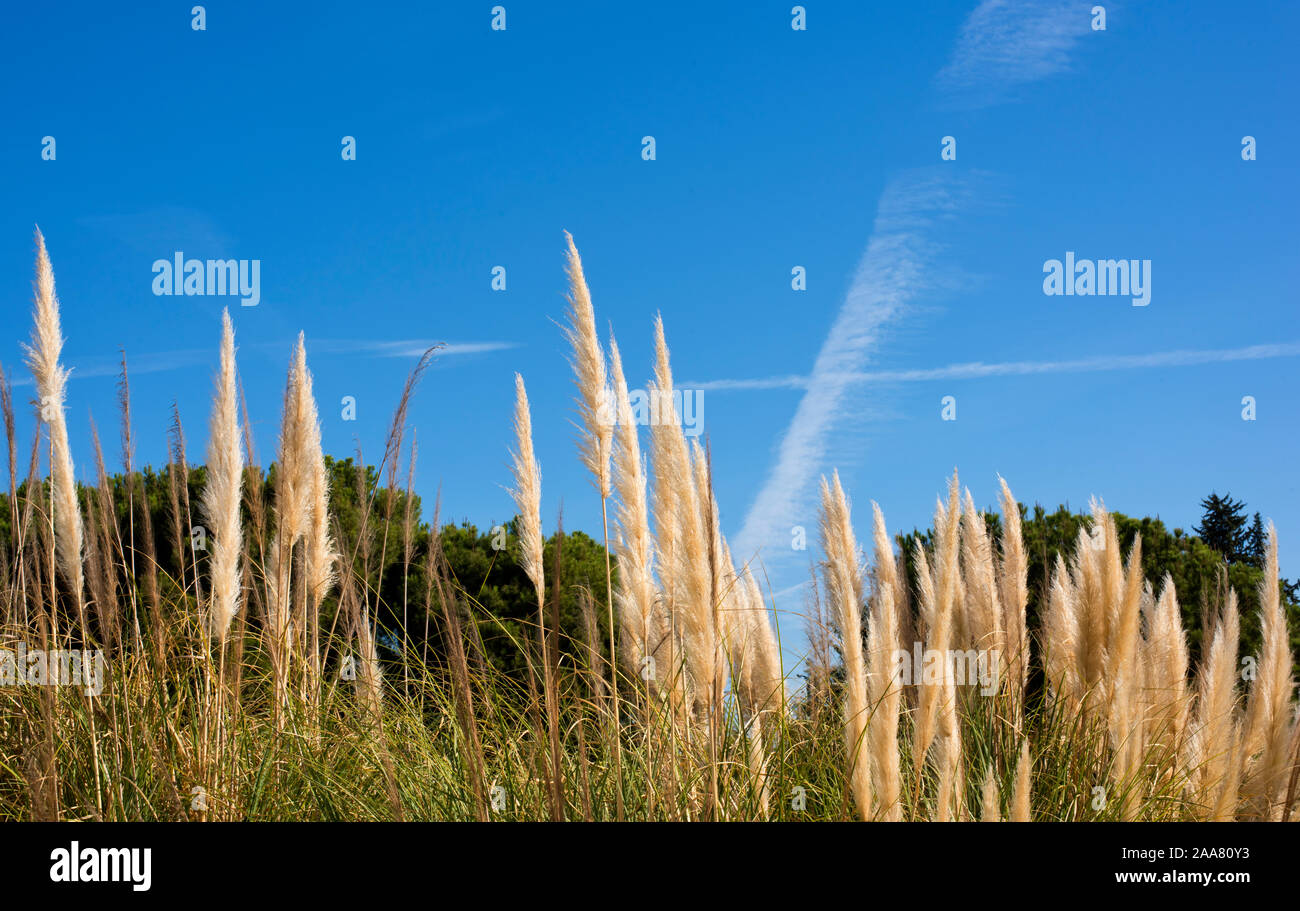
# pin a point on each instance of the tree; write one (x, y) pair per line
(497, 598)
(1200, 574)
(1223, 527)
(1257, 542)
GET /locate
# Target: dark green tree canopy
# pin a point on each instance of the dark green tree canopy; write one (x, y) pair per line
(1201, 574)
(1223, 527)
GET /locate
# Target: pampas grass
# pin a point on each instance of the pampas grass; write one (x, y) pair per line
(320, 558)
(596, 408)
(669, 488)
(1165, 664)
(938, 598)
(989, 798)
(644, 622)
(884, 688)
(1269, 716)
(691, 566)
(705, 723)
(1213, 746)
(527, 495)
(595, 405)
(844, 590)
(292, 513)
(51, 387)
(764, 674)
(1014, 594)
(221, 496)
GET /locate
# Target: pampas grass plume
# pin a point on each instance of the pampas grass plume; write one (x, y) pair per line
(221, 496)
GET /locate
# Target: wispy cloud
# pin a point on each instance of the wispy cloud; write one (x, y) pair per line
(979, 369)
(1008, 43)
(411, 347)
(159, 361)
(1003, 45)
(892, 272)
(156, 362)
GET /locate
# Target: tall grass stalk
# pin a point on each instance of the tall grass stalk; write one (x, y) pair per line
(230, 697)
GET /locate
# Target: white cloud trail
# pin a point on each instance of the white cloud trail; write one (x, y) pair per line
(979, 369)
(890, 275)
(1008, 43)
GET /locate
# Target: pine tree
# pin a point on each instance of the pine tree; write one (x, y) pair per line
(1223, 527)
(1256, 542)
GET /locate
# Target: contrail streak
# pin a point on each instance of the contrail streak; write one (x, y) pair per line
(979, 369)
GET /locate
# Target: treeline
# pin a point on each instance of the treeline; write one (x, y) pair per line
(497, 600)
(1225, 551)
(159, 522)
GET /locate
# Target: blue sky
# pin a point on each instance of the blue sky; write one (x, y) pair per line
(775, 148)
